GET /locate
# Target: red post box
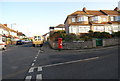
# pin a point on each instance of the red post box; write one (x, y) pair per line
(59, 43)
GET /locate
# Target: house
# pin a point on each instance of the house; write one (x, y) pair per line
(9, 35)
(46, 36)
(57, 28)
(21, 35)
(80, 22)
(4, 31)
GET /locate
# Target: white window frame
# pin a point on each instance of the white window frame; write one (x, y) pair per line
(73, 19)
(96, 18)
(84, 29)
(104, 19)
(99, 28)
(117, 18)
(111, 18)
(82, 18)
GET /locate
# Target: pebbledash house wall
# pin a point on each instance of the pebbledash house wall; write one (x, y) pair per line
(85, 44)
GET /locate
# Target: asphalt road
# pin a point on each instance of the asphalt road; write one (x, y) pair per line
(25, 62)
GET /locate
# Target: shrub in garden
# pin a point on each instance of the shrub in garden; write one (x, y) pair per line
(58, 34)
(70, 37)
(116, 34)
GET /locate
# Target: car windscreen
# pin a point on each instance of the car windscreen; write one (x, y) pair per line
(37, 37)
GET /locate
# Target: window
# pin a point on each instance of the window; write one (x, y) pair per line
(117, 18)
(98, 28)
(104, 19)
(73, 19)
(84, 29)
(83, 18)
(96, 18)
(35, 37)
(115, 27)
(112, 18)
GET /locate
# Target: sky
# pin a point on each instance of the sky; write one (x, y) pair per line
(35, 17)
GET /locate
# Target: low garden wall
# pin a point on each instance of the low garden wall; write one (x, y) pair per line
(84, 44)
(110, 42)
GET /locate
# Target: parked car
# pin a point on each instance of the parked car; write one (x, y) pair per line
(2, 45)
(19, 42)
(26, 41)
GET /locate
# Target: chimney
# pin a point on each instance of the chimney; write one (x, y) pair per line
(5, 25)
(84, 9)
(116, 9)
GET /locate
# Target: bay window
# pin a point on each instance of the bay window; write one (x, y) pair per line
(73, 19)
(83, 18)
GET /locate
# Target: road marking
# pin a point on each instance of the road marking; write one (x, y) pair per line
(39, 68)
(38, 51)
(34, 60)
(32, 64)
(71, 62)
(28, 78)
(31, 69)
(39, 77)
(35, 57)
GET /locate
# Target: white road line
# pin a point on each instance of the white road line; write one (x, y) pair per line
(71, 62)
(35, 57)
(32, 64)
(39, 77)
(39, 52)
(39, 68)
(34, 60)
(31, 69)
(28, 78)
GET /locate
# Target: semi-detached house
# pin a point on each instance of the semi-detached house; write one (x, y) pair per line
(80, 22)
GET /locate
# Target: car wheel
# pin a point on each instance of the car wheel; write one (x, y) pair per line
(3, 48)
(33, 45)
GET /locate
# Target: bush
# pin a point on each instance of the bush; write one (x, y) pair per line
(105, 35)
(92, 34)
(58, 34)
(70, 37)
(116, 34)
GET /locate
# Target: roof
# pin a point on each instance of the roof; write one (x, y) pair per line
(101, 23)
(7, 28)
(4, 27)
(60, 26)
(110, 12)
(13, 31)
(78, 13)
(78, 24)
(114, 22)
(94, 12)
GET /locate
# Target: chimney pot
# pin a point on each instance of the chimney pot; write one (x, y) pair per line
(116, 9)
(84, 9)
(5, 24)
